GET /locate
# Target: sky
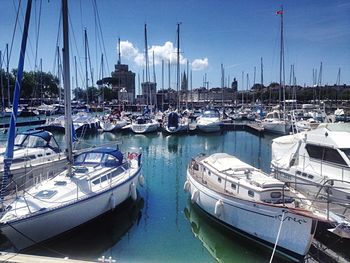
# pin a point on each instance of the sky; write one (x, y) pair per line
(236, 34)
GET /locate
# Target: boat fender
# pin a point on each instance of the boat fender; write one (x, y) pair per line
(219, 206)
(194, 196)
(141, 180)
(112, 201)
(187, 186)
(133, 191)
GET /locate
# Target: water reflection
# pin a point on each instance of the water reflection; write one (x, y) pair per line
(96, 237)
(225, 245)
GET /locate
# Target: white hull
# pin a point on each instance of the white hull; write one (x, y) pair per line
(257, 220)
(52, 222)
(108, 126)
(276, 127)
(209, 126)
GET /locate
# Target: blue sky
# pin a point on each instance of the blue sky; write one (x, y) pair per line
(234, 33)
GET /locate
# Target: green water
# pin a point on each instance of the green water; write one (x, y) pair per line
(162, 226)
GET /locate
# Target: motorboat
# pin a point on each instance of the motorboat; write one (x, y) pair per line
(209, 121)
(316, 162)
(275, 122)
(36, 155)
(144, 124)
(174, 123)
(252, 203)
(99, 180)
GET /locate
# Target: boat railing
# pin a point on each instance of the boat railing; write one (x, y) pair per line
(324, 168)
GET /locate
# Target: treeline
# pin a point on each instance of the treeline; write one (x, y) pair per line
(45, 85)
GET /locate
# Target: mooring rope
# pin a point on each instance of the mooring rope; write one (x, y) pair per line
(278, 235)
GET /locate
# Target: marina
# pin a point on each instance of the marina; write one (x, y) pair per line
(162, 164)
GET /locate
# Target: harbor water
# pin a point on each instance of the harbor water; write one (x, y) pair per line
(163, 225)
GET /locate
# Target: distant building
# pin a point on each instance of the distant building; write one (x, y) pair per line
(234, 84)
(148, 93)
(124, 80)
(184, 83)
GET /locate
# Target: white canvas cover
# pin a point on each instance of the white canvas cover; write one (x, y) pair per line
(283, 149)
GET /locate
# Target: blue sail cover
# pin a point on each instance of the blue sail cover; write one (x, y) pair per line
(105, 150)
(17, 91)
(42, 134)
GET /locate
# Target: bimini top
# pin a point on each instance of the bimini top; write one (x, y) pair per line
(107, 155)
(40, 133)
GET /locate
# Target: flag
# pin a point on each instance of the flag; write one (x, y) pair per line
(279, 12)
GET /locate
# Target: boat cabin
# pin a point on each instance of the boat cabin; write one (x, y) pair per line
(230, 176)
(36, 139)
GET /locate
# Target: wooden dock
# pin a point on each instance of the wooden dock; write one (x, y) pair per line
(19, 258)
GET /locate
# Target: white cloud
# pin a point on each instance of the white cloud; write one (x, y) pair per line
(200, 63)
(166, 52)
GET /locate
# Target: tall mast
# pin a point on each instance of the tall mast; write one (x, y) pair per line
(59, 73)
(282, 73)
(178, 65)
(222, 84)
(66, 81)
(147, 68)
(8, 75)
(261, 76)
(86, 67)
(76, 72)
(8, 156)
(102, 73)
(2, 85)
(162, 85)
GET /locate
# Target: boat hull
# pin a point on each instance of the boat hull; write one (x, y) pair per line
(50, 223)
(257, 220)
(277, 127)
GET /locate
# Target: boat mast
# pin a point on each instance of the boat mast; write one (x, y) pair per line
(282, 74)
(262, 77)
(178, 66)
(86, 67)
(147, 68)
(8, 156)
(8, 75)
(2, 85)
(66, 82)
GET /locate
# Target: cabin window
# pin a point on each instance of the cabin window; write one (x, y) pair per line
(333, 156)
(298, 172)
(314, 151)
(276, 195)
(61, 183)
(209, 173)
(233, 186)
(310, 176)
(304, 174)
(195, 166)
(325, 153)
(251, 193)
(347, 152)
(219, 179)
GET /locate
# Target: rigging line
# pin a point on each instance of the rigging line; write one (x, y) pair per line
(30, 43)
(14, 30)
(97, 31)
(96, 37)
(103, 43)
(37, 29)
(77, 49)
(91, 73)
(58, 38)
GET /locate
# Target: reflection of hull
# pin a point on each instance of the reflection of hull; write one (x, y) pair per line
(145, 128)
(97, 236)
(223, 245)
(257, 221)
(181, 128)
(209, 126)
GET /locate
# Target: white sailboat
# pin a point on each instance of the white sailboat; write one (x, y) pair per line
(175, 122)
(252, 203)
(94, 182)
(277, 121)
(36, 155)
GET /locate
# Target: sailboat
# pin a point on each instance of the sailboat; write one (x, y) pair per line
(95, 181)
(174, 121)
(276, 121)
(146, 122)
